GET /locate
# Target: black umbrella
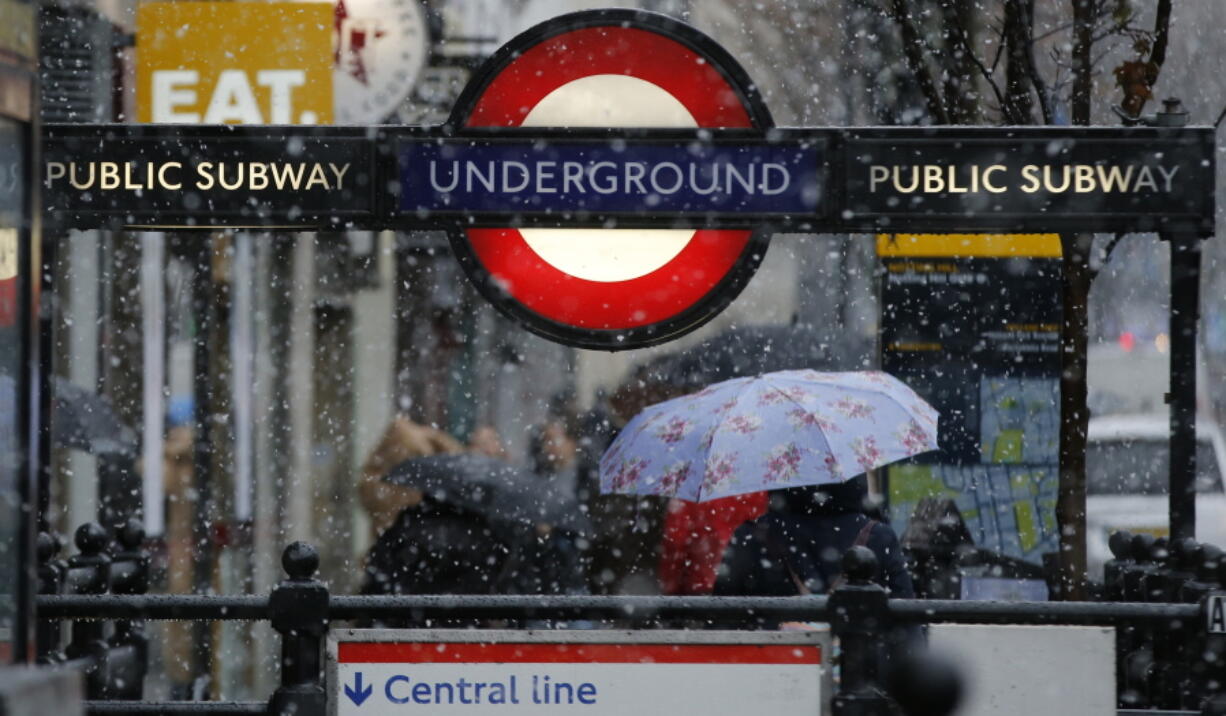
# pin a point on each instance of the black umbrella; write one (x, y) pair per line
(501, 493)
(741, 352)
(84, 420)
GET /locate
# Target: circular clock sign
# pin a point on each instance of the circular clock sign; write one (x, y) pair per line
(611, 288)
(380, 49)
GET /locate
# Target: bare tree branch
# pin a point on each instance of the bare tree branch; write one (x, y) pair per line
(1083, 80)
(1220, 116)
(1006, 107)
(1106, 252)
(1040, 85)
(912, 46)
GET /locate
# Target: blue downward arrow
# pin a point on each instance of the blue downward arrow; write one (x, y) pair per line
(356, 693)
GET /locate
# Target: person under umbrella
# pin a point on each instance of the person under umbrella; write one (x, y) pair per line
(480, 526)
(800, 434)
(797, 547)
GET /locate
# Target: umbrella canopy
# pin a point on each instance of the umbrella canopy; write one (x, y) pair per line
(775, 431)
(84, 420)
(499, 492)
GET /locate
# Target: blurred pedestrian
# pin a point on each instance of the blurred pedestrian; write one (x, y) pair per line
(797, 546)
(551, 561)
(485, 440)
(695, 537)
(403, 439)
(553, 455)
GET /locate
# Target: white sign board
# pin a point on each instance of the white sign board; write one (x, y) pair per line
(1217, 614)
(592, 672)
(1027, 670)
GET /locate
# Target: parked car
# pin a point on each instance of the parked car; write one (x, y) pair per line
(1127, 467)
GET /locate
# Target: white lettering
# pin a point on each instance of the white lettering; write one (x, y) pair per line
(877, 174)
(205, 182)
(486, 180)
(339, 173)
(525, 179)
(317, 177)
(167, 96)
(655, 178)
(55, 170)
(730, 172)
(434, 182)
(108, 175)
(1030, 173)
(281, 84)
(1114, 179)
(283, 174)
(1168, 177)
(162, 176)
(221, 177)
(257, 172)
(987, 179)
(72, 176)
(233, 101)
(609, 187)
(544, 172)
(572, 173)
(1145, 176)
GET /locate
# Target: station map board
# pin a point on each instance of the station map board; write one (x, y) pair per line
(972, 323)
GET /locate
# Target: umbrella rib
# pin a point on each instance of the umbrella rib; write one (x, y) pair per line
(829, 450)
(742, 385)
(869, 391)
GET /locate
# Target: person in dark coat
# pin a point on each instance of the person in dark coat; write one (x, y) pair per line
(797, 546)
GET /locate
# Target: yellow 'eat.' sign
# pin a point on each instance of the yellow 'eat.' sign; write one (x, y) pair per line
(234, 63)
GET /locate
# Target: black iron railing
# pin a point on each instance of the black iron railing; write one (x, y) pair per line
(1167, 657)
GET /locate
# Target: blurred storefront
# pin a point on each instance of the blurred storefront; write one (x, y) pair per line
(18, 341)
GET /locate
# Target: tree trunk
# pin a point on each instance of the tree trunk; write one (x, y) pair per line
(1083, 64)
(1074, 417)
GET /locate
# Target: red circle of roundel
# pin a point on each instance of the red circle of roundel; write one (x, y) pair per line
(677, 285)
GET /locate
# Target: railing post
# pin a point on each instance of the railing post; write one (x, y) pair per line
(49, 635)
(298, 609)
(1199, 660)
(89, 572)
(1113, 591)
(129, 654)
(860, 619)
(1170, 642)
(1133, 691)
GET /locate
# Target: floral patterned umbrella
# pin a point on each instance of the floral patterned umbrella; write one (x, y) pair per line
(777, 430)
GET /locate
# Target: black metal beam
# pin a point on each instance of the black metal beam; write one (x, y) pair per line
(846, 169)
(1183, 317)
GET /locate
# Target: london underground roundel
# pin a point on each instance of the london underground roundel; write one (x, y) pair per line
(611, 288)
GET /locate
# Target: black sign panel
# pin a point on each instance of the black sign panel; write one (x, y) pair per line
(209, 176)
(942, 179)
(1138, 180)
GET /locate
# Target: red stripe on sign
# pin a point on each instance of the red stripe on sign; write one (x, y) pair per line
(469, 653)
